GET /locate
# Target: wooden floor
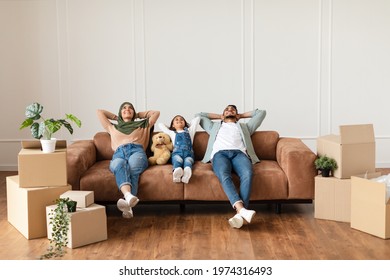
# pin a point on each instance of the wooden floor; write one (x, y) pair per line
(163, 232)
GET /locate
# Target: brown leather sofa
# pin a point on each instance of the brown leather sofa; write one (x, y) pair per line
(284, 175)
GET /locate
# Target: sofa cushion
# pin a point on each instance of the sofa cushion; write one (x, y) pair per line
(102, 142)
(149, 189)
(269, 182)
(264, 143)
(156, 184)
(101, 181)
(204, 184)
(200, 144)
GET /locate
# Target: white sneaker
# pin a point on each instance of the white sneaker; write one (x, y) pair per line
(131, 200)
(236, 222)
(128, 214)
(123, 205)
(177, 174)
(187, 175)
(247, 214)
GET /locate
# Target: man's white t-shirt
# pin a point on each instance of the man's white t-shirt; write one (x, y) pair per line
(228, 138)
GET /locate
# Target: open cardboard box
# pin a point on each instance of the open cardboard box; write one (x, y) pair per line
(353, 150)
(370, 208)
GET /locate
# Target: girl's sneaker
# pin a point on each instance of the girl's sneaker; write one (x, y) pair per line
(177, 174)
(187, 175)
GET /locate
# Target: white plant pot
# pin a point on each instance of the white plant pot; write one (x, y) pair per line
(48, 145)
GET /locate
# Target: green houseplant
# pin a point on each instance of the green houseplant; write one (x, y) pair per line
(326, 165)
(44, 129)
(59, 221)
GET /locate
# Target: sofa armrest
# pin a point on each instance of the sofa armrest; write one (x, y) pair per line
(297, 162)
(80, 156)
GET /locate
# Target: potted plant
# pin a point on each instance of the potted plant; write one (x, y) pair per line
(59, 223)
(44, 129)
(326, 165)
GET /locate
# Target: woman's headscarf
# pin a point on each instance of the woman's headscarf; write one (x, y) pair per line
(129, 127)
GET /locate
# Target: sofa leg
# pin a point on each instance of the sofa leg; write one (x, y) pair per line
(278, 208)
(182, 207)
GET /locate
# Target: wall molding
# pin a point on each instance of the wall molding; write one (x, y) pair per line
(247, 48)
(325, 68)
(64, 83)
(140, 76)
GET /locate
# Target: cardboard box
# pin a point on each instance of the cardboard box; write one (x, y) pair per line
(332, 199)
(87, 225)
(38, 169)
(353, 150)
(83, 198)
(26, 206)
(370, 208)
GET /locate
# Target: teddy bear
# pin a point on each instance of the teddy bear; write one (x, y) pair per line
(161, 147)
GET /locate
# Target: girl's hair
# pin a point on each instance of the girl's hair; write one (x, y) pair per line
(171, 125)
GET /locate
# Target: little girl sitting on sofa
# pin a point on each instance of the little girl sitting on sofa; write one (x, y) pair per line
(182, 136)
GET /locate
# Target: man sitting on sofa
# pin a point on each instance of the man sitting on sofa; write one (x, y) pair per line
(230, 149)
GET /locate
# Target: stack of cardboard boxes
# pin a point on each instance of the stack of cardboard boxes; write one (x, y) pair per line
(40, 181)
(350, 193)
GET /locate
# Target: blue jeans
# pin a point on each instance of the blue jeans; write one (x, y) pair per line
(226, 161)
(183, 158)
(127, 163)
(183, 154)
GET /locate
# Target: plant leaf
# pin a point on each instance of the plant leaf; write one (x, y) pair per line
(67, 125)
(35, 128)
(26, 123)
(52, 126)
(74, 119)
(42, 128)
(34, 111)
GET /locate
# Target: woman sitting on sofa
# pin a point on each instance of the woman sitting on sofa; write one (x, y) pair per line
(129, 140)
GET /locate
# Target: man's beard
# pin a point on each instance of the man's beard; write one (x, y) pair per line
(230, 117)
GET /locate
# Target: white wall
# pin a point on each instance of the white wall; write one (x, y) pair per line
(312, 64)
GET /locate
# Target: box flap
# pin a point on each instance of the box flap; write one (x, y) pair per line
(360, 133)
(36, 144)
(331, 138)
(368, 175)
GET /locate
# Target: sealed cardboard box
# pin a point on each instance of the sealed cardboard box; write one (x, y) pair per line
(38, 169)
(370, 208)
(353, 150)
(26, 207)
(332, 199)
(87, 225)
(83, 198)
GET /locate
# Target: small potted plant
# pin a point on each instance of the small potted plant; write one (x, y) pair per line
(59, 222)
(326, 165)
(44, 129)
